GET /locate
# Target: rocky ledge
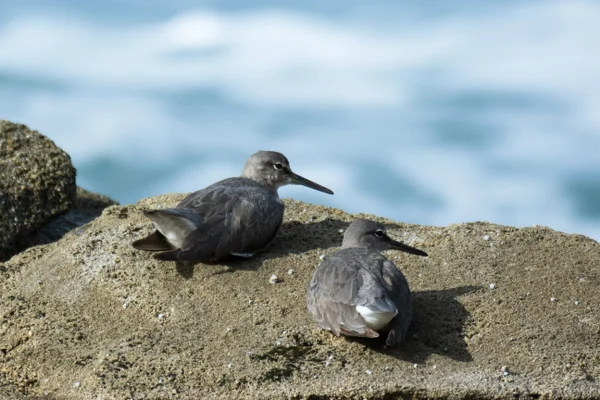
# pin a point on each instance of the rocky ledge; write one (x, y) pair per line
(500, 313)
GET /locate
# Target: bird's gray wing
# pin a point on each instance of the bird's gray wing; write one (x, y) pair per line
(212, 204)
(203, 200)
(398, 291)
(254, 222)
(333, 294)
(237, 220)
(201, 244)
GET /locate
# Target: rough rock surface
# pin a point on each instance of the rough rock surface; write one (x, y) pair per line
(37, 182)
(87, 207)
(89, 317)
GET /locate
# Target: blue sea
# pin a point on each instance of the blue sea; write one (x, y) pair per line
(425, 112)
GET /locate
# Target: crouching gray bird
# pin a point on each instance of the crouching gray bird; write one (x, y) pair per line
(357, 291)
(235, 216)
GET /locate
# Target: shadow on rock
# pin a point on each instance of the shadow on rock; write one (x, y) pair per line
(293, 238)
(87, 207)
(186, 269)
(437, 327)
(297, 237)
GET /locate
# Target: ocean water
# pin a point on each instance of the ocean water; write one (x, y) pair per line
(423, 112)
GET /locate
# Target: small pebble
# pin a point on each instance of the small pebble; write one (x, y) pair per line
(504, 368)
(415, 365)
(506, 373)
(290, 271)
(341, 231)
(229, 365)
(553, 299)
(486, 237)
(77, 384)
(369, 372)
(576, 302)
(273, 279)
(492, 286)
(322, 256)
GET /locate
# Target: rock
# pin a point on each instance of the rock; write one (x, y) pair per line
(8, 393)
(90, 317)
(87, 206)
(37, 183)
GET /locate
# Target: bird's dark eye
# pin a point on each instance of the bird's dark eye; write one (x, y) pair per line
(379, 233)
(278, 165)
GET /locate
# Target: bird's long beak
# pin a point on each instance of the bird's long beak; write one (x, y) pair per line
(296, 179)
(406, 248)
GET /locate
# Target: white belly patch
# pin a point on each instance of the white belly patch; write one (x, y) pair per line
(376, 319)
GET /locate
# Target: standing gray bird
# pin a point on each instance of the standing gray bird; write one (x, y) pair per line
(357, 291)
(235, 216)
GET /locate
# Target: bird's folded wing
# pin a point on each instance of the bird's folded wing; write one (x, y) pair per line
(210, 207)
(335, 289)
(201, 244)
(399, 292)
(227, 217)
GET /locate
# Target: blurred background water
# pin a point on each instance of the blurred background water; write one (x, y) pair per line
(424, 112)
